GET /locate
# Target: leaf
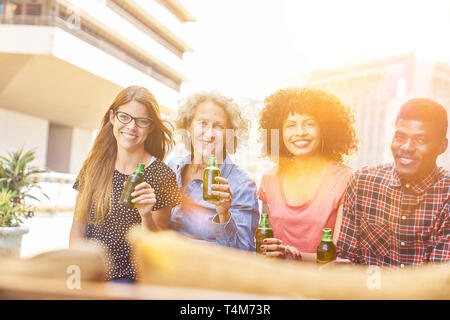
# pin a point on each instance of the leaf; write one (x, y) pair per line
(19, 177)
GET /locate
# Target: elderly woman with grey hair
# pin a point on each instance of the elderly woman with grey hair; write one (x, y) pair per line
(209, 120)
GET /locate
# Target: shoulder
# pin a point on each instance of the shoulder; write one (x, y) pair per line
(175, 161)
(444, 174)
(268, 179)
(341, 171)
(240, 178)
(370, 176)
(443, 179)
(179, 161)
(337, 178)
(159, 170)
(378, 171)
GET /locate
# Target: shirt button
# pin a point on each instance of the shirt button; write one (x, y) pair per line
(403, 243)
(402, 265)
(403, 217)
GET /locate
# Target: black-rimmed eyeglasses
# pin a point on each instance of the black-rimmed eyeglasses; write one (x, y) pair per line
(125, 118)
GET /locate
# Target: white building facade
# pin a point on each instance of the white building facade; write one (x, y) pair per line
(63, 62)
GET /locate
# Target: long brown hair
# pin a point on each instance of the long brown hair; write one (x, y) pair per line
(95, 177)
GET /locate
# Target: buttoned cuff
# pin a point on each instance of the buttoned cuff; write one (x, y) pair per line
(225, 232)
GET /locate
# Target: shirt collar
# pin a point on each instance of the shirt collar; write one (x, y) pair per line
(419, 186)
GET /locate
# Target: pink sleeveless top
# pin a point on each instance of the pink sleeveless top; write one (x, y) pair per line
(301, 226)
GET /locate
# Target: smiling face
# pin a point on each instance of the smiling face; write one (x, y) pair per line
(415, 147)
(129, 136)
(207, 129)
(301, 135)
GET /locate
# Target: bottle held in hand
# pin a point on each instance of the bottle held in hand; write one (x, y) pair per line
(326, 251)
(133, 180)
(209, 178)
(264, 231)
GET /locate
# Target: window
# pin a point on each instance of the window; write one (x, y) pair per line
(17, 9)
(33, 9)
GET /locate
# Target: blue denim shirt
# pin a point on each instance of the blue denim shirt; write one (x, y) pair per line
(199, 221)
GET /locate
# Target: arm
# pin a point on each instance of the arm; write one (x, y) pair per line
(77, 232)
(158, 219)
(78, 229)
(348, 240)
(145, 200)
(441, 249)
(337, 226)
(274, 247)
(155, 205)
(277, 249)
(236, 226)
(311, 257)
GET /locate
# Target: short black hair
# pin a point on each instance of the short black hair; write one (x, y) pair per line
(426, 110)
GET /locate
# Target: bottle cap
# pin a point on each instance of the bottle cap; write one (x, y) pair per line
(140, 168)
(326, 235)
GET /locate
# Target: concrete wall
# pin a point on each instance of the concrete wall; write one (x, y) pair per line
(81, 144)
(59, 147)
(19, 130)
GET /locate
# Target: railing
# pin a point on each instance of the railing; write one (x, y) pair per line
(87, 34)
(58, 187)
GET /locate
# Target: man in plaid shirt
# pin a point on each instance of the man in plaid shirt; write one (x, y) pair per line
(398, 214)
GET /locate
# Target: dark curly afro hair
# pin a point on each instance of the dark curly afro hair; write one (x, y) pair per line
(335, 119)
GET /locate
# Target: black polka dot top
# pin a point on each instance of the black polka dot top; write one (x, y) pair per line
(112, 233)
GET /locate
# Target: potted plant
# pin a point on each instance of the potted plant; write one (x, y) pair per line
(11, 230)
(17, 179)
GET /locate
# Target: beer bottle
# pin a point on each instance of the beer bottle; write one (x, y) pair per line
(326, 251)
(264, 231)
(209, 178)
(133, 180)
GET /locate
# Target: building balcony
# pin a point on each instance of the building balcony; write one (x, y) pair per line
(71, 66)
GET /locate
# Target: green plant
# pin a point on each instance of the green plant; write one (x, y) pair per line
(18, 176)
(11, 213)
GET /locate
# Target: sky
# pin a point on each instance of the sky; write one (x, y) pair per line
(250, 48)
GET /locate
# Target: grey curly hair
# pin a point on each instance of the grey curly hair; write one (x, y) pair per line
(236, 121)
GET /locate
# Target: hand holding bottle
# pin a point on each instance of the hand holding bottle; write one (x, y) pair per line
(216, 189)
(145, 199)
(274, 247)
(223, 191)
(137, 193)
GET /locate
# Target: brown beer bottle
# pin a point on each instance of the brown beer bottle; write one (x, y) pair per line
(133, 180)
(326, 251)
(264, 231)
(209, 178)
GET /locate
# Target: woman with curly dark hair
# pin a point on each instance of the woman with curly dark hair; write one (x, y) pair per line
(305, 194)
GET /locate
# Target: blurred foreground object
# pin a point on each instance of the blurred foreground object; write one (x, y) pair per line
(53, 275)
(86, 256)
(168, 258)
(60, 272)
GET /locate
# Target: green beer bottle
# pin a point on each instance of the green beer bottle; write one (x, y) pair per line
(326, 251)
(209, 178)
(264, 231)
(133, 180)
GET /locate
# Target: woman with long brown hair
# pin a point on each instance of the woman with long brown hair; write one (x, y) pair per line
(131, 132)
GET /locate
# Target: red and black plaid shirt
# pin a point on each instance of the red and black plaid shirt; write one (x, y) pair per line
(390, 223)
